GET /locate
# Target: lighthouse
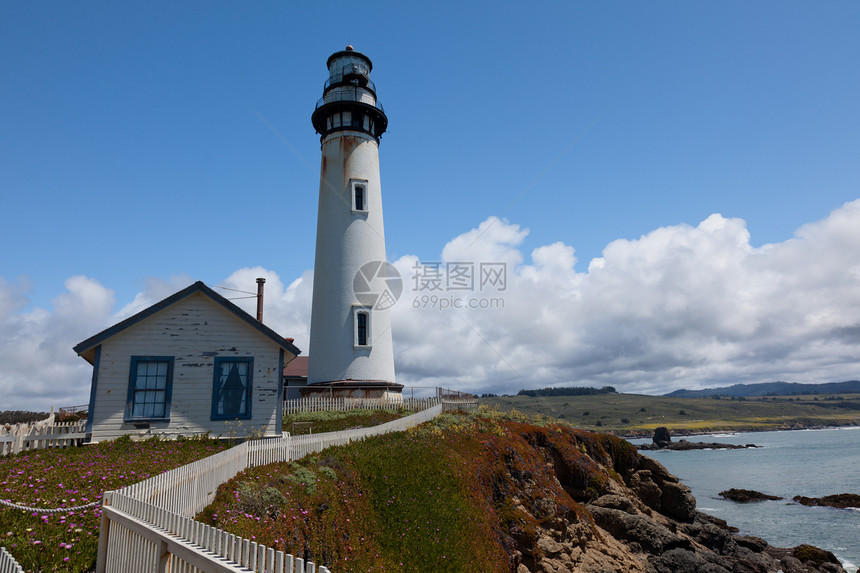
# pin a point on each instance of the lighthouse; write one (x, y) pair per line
(351, 350)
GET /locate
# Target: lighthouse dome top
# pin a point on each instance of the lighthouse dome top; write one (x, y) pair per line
(338, 60)
(349, 101)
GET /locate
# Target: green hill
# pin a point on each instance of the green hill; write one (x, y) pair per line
(638, 415)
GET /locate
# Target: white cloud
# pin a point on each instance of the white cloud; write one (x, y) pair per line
(682, 306)
(286, 308)
(679, 307)
(154, 290)
(40, 368)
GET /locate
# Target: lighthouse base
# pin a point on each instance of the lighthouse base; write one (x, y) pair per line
(358, 389)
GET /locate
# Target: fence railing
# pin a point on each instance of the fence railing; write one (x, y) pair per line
(464, 404)
(8, 563)
(150, 523)
(326, 404)
(39, 435)
(69, 411)
(148, 538)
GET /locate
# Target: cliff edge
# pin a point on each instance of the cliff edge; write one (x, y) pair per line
(490, 493)
(634, 516)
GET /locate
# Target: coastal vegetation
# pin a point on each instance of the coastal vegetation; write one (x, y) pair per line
(633, 415)
(488, 491)
(73, 477)
(440, 497)
(331, 421)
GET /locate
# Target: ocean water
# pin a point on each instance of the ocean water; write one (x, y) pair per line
(813, 463)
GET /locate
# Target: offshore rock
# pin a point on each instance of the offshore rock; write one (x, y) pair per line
(662, 437)
(841, 501)
(747, 495)
(662, 440)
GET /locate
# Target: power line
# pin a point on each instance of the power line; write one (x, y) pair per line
(234, 290)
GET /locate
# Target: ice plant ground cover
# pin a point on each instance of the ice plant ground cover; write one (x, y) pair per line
(434, 498)
(73, 477)
(319, 422)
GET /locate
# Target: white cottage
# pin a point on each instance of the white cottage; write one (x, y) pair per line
(192, 363)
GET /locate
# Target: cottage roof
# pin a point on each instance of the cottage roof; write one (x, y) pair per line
(86, 349)
(297, 368)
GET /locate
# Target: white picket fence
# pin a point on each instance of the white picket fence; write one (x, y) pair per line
(149, 525)
(464, 404)
(326, 404)
(40, 435)
(8, 563)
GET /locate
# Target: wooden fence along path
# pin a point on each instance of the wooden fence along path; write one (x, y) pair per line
(149, 525)
(8, 563)
(39, 435)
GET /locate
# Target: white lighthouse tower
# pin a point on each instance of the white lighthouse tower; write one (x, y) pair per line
(350, 347)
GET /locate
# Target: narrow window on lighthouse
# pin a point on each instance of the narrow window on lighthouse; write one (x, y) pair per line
(359, 195)
(362, 328)
(361, 321)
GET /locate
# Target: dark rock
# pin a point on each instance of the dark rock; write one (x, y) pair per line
(648, 492)
(747, 495)
(677, 501)
(684, 445)
(684, 561)
(842, 500)
(813, 556)
(640, 529)
(662, 438)
(615, 502)
(751, 542)
(712, 533)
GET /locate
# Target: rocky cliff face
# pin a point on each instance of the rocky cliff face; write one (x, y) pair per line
(598, 506)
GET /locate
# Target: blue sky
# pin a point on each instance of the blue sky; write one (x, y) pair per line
(159, 143)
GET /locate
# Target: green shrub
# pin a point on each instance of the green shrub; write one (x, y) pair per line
(303, 476)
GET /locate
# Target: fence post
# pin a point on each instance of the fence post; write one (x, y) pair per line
(163, 557)
(18, 444)
(104, 532)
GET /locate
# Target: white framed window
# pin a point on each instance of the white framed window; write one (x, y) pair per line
(149, 388)
(361, 327)
(358, 189)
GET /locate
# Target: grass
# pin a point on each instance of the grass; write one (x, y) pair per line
(632, 415)
(72, 477)
(435, 498)
(372, 506)
(319, 422)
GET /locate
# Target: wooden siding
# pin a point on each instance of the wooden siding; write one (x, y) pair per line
(194, 331)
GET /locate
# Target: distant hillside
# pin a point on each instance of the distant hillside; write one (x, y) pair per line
(771, 389)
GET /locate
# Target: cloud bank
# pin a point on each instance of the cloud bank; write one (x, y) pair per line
(682, 306)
